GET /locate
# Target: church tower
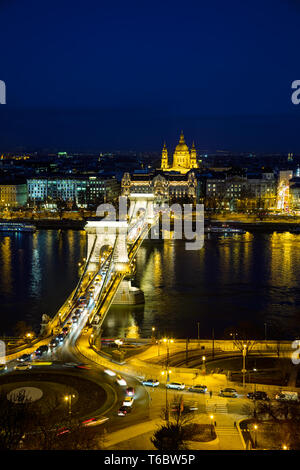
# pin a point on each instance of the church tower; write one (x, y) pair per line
(164, 158)
(193, 159)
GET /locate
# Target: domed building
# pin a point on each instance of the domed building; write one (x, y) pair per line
(183, 159)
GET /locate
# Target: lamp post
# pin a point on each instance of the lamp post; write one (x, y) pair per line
(167, 342)
(203, 364)
(211, 425)
(153, 334)
(255, 435)
(244, 363)
(68, 399)
(167, 373)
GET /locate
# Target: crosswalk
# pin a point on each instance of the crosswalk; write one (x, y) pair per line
(226, 430)
(216, 406)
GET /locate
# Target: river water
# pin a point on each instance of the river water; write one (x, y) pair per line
(251, 278)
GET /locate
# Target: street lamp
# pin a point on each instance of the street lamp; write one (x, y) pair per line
(68, 399)
(255, 435)
(153, 336)
(167, 372)
(211, 425)
(203, 363)
(244, 363)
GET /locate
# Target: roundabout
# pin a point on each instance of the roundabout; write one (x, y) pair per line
(58, 394)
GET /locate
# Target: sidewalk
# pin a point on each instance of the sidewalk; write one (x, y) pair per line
(136, 430)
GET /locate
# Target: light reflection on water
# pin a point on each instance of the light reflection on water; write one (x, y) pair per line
(251, 278)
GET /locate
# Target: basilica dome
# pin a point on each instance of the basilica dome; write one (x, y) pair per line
(181, 147)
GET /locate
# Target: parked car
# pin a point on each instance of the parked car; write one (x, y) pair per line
(198, 389)
(184, 407)
(3, 368)
(287, 396)
(124, 410)
(151, 383)
(228, 392)
(258, 395)
(176, 385)
(24, 358)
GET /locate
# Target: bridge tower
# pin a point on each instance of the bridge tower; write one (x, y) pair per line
(106, 232)
(141, 202)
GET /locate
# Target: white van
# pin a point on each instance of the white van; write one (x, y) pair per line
(287, 396)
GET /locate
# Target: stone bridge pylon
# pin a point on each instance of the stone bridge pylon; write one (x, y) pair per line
(107, 233)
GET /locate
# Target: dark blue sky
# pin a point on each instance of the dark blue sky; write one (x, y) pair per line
(127, 75)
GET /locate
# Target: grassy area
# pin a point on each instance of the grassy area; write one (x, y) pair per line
(88, 395)
(264, 370)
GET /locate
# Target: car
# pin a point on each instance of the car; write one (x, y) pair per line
(184, 407)
(110, 372)
(98, 278)
(94, 421)
(23, 366)
(128, 401)
(77, 312)
(82, 304)
(60, 337)
(3, 367)
(150, 383)
(228, 392)
(54, 343)
(258, 395)
(198, 389)
(121, 381)
(130, 392)
(41, 350)
(65, 330)
(74, 319)
(124, 410)
(24, 358)
(176, 385)
(83, 366)
(91, 289)
(287, 396)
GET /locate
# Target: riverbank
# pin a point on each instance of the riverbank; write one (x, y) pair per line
(269, 225)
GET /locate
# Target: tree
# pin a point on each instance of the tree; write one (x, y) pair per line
(22, 328)
(14, 421)
(179, 429)
(284, 420)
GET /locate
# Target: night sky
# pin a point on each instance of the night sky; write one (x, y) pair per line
(127, 75)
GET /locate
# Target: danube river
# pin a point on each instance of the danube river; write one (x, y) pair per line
(252, 278)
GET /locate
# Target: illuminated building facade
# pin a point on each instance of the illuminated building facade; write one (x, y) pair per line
(13, 195)
(283, 191)
(165, 186)
(84, 191)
